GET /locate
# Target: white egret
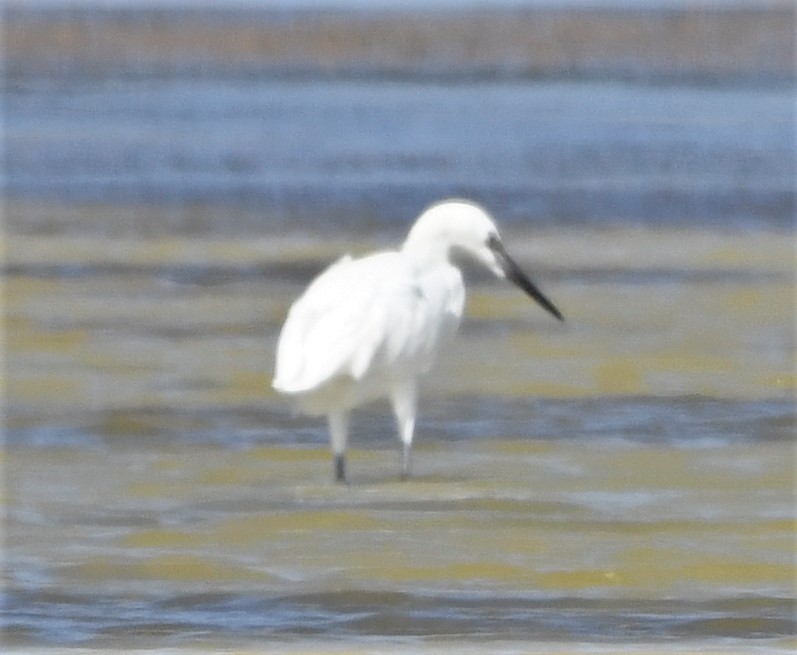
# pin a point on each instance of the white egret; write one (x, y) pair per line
(370, 327)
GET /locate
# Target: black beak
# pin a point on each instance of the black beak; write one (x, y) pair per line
(514, 273)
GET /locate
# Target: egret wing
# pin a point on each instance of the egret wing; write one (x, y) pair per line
(345, 323)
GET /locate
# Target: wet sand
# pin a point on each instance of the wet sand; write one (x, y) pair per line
(751, 41)
(447, 648)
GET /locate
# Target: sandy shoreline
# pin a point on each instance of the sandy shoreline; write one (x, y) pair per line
(754, 43)
(372, 647)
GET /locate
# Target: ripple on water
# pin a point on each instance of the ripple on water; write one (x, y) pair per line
(70, 619)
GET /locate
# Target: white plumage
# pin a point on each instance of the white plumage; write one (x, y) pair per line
(368, 328)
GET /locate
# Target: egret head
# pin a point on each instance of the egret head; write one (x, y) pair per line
(454, 226)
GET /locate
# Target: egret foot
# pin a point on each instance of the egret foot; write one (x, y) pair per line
(340, 468)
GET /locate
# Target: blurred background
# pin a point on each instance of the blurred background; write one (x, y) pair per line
(176, 171)
(235, 117)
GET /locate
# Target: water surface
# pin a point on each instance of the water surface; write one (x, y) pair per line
(364, 154)
(622, 482)
(624, 479)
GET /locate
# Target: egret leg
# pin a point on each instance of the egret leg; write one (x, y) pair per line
(340, 468)
(404, 400)
(406, 461)
(339, 433)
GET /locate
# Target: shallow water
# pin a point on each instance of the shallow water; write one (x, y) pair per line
(621, 483)
(626, 478)
(369, 154)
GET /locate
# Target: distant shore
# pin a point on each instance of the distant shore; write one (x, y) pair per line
(715, 43)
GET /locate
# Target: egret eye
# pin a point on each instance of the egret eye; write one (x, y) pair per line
(493, 242)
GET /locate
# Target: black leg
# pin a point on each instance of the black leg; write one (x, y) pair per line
(406, 461)
(340, 468)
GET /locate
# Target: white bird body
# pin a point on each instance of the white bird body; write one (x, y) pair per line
(365, 326)
(370, 327)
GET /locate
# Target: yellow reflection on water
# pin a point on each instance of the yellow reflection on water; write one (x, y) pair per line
(714, 317)
(500, 514)
(142, 354)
